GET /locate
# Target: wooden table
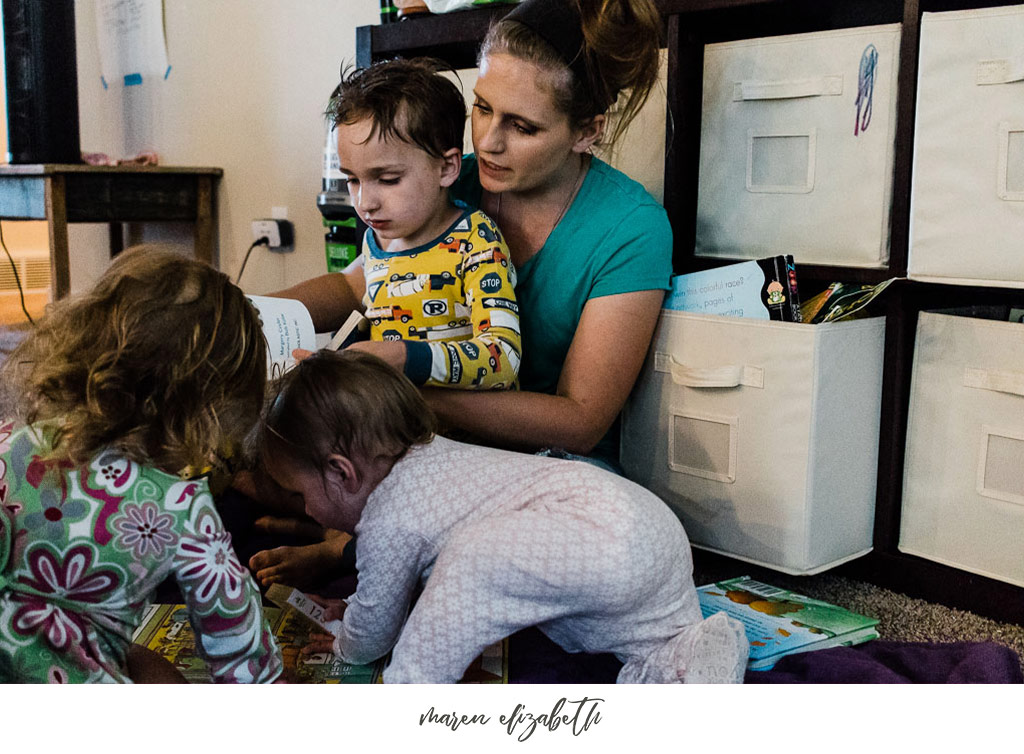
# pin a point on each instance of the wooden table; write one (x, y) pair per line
(62, 194)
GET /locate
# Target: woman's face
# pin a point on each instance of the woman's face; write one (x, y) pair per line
(521, 139)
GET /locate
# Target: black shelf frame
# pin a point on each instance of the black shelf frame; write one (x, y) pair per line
(689, 25)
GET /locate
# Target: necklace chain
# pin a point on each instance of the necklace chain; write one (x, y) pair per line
(568, 199)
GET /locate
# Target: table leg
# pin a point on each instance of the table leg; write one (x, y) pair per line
(116, 239)
(206, 219)
(57, 224)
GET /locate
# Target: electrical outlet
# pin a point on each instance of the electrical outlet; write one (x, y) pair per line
(279, 233)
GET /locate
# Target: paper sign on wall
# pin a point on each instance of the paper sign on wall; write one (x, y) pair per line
(131, 40)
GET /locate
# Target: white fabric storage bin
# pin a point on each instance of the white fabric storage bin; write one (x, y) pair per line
(786, 165)
(967, 202)
(963, 483)
(761, 435)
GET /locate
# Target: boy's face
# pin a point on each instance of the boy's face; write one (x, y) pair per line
(399, 190)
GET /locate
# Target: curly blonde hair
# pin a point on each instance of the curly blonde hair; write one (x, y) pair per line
(163, 360)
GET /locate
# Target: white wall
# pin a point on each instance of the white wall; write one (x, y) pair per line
(249, 81)
(248, 84)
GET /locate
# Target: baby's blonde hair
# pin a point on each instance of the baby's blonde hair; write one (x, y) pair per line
(163, 360)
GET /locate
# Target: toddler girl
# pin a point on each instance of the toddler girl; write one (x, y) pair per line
(117, 391)
(500, 540)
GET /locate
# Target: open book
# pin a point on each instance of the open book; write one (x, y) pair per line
(779, 622)
(287, 326)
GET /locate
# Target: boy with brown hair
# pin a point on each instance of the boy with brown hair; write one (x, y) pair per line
(436, 281)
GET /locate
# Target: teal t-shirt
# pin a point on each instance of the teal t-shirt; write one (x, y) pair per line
(615, 238)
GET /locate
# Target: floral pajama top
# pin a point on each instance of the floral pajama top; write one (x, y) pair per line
(82, 550)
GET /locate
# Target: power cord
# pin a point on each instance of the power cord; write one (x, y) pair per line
(261, 241)
(17, 280)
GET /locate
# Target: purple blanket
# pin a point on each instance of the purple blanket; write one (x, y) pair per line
(535, 659)
(898, 662)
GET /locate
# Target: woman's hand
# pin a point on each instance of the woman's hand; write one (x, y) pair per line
(391, 351)
(605, 357)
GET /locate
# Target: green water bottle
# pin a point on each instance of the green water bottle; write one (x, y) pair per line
(344, 231)
(341, 242)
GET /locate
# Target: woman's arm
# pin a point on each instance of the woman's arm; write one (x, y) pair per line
(603, 362)
(329, 298)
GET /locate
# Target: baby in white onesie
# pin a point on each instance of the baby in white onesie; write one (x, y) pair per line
(499, 540)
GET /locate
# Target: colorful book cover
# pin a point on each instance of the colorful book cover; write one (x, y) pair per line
(165, 629)
(759, 289)
(779, 622)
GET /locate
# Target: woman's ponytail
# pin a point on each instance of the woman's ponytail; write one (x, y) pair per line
(618, 52)
(621, 45)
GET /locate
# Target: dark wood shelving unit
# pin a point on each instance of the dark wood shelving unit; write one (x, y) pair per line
(689, 25)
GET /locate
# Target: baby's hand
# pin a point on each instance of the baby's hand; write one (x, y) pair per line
(333, 609)
(318, 643)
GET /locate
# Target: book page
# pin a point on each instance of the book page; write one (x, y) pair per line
(287, 326)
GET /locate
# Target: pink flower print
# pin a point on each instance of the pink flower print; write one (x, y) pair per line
(112, 473)
(6, 428)
(210, 568)
(143, 529)
(67, 578)
(38, 470)
(57, 674)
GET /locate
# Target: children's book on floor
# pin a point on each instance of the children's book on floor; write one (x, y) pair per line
(759, 289)
(165, 630)
(779, 622)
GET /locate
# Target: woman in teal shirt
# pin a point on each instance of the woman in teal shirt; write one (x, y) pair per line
(592, 249)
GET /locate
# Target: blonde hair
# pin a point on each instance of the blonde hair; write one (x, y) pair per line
(620, 53)
(348, 402)
(163, 360)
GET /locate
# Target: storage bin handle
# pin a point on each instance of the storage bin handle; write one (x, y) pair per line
(730, 375)
(820, 86)
(1004, 71)
(999, 381)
